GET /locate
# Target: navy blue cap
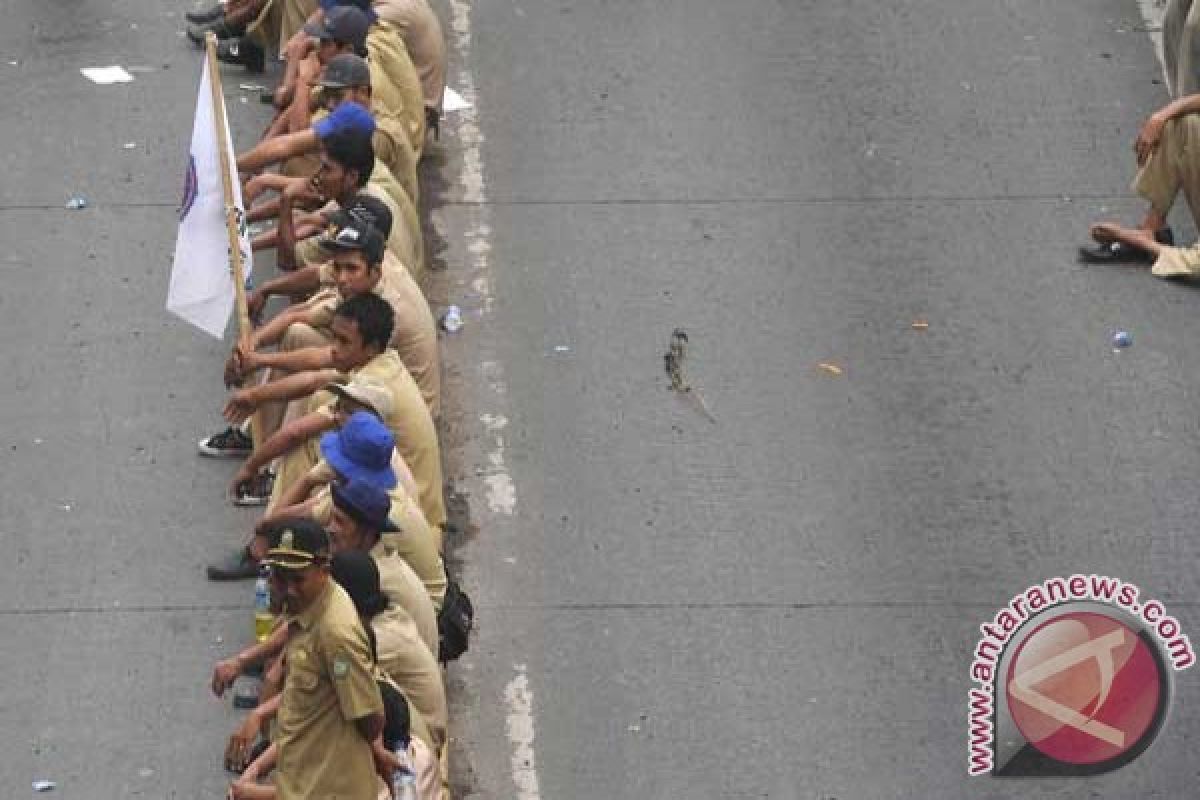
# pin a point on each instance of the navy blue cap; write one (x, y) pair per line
(364, 503)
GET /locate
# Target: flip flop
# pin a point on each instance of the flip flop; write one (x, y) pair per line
(1115, 252)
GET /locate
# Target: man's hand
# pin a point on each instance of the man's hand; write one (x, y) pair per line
(243, 789)
(255, 302)
(252, 189)
(308, 70)
(386, 762)
(241, 742)
(302, 193)
(235, 370)
(243, 475)
(240, 406)
(224, 674)
(299, 46)
(1148, 138)
(258, 545)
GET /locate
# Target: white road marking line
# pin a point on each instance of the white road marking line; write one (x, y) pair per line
(1152, 14)
(520, 734)
(501, 493)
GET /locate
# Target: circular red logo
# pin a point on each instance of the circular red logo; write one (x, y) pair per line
(1084, 688)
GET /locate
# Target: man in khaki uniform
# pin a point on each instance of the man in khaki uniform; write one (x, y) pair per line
(357, 253)
(361, 327)
(421, 30)
(401, 654)
(1166, 150)
(331, 712)
(360, 520)
(278, 21)
(1181, 46)
(345, 79)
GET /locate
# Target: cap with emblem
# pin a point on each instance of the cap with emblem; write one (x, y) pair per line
(364, 206)
(354, 234)
(344, 71)
(296, 543)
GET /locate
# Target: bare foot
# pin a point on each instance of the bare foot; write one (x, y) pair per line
(1106, 232)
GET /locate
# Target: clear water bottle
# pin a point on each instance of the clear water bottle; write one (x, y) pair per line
(264, 620)
(404, 782)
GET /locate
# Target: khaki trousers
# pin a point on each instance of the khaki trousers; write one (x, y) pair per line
(279, 21)
(1181, 47)
(297, 337)
(1174, 166)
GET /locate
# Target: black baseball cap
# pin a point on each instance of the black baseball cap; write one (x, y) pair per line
(344, 71)
(343, 24)
(348, 232)
(368, 207)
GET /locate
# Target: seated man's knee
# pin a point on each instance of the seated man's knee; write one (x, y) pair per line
(300, 335)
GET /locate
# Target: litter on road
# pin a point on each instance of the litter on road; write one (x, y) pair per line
(453, 101)
(452, 320)
(106, 75)
(829, 369)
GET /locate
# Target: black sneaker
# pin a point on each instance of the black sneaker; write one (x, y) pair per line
(238, 567)
(223, 31)
(256, 491)
(204, 17)
(242, 51)
(229, 443)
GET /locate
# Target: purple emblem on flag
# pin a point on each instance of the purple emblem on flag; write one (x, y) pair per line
(190, 188)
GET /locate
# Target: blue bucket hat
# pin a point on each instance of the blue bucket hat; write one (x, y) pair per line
(362, 451)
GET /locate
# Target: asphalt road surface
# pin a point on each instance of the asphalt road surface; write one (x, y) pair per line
(781, 603)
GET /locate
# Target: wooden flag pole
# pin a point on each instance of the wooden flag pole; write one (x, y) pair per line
(232, 220)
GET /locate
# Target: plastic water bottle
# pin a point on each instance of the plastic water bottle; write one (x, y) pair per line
(404, 781)
(452, 320)
(264, 620)
(404, 784)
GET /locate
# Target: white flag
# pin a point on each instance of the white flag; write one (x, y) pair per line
(201, 288)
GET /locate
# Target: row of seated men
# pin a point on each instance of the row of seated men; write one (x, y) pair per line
(333, 407)
(1163, 154)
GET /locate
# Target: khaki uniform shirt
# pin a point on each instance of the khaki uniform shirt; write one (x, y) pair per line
(414, 334)
(422, 33)
(329, 685)
(408, 661)
(392, 71)
(407, 593)
(394, 149)
(405, 239)
(412, 426)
